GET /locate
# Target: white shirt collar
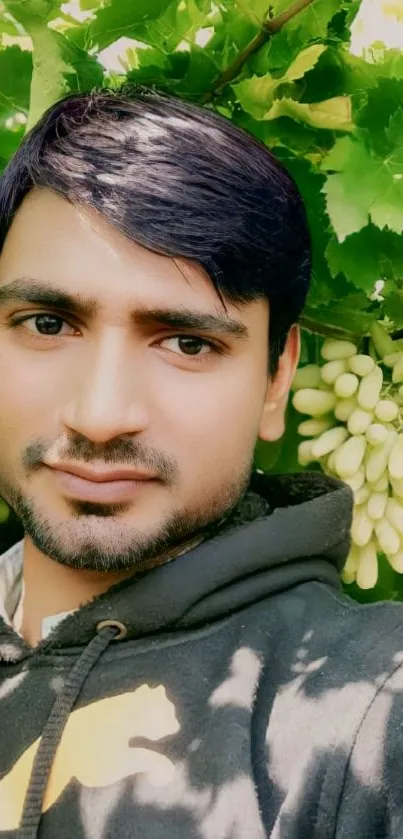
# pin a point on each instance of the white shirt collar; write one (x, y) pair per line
(12, 592)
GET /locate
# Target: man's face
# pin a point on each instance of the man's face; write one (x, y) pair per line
(119, 385)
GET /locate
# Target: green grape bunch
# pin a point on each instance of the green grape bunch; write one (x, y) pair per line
(354, 402)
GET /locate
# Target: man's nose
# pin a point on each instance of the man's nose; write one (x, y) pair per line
(107, 394)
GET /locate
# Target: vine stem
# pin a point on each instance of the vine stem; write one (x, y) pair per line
(270, 27)
(328, 331)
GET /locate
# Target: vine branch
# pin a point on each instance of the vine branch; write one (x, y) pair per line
(326, 331)
(270, 27)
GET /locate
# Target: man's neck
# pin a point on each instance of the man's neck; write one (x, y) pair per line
(51, 588)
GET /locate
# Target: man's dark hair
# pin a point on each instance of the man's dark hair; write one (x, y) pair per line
(180, 180)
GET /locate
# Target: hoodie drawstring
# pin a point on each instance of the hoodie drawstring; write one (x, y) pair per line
(107, 631)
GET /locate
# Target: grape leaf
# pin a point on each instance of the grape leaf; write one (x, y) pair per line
(9, 142)
(304, 62)
(49, 77)
(147, 66)
(15, 78)
(312, 23)
(394, 133)
(59, 66)
(256, 9)
(188, 20)
(393, 308)
(87, 72)
(164, 32)
(356, 258)
(310, 184)
(333, 114)
(294, 136)
(358, 75)
(117, 18)
(203, 5)
(390, 247)
(239, 29)
(381, 103)
(41, 10)
(384, 62)
(392, 64)
(387, 208)
(366, 185)
(256, 94)
(325, 80)
(200, 72)
(88, 5)
(8, 27)
(275, 55)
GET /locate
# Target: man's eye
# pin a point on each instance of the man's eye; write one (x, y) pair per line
(190, 345)
(48, 325)
(45, 324)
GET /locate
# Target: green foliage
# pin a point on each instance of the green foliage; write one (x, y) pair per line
(285, 72)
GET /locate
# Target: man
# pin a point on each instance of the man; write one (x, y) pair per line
(177, 658)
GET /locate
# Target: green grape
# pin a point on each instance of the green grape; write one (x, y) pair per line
(362, 527)
(346, 385)
(349, 456)
(369, 389)
(344, 408)
(328, 441)
(362, 494)
(332, 370)
(395, 463)
(367, 566)
(361, 364)
(376, 505)
(314, 427)
(386, 410)
(333, 350)
(313, 402)
(359, 421)
(308, 376)
(394, 514)
(397, 373)
(376, 434)
(387, 537)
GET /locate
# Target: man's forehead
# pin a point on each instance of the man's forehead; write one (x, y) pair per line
(47, 227)
(70, 257)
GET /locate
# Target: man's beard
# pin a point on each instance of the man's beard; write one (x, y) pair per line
(68, 543)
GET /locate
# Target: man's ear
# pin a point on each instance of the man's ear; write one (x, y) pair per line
(272, 423)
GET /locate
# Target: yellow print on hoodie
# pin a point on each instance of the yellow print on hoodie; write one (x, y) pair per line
(95, 749)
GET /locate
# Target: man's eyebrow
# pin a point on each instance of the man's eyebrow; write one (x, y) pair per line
(192, 319)
(24, 290)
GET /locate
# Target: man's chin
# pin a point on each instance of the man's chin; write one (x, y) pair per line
(107, 545)
(103, 539)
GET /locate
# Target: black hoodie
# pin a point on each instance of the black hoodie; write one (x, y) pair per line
(233, 693)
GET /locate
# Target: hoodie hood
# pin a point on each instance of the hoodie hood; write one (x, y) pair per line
(286, 530)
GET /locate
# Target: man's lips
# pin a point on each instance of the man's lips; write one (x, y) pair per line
(107, 487)
(121, 474)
